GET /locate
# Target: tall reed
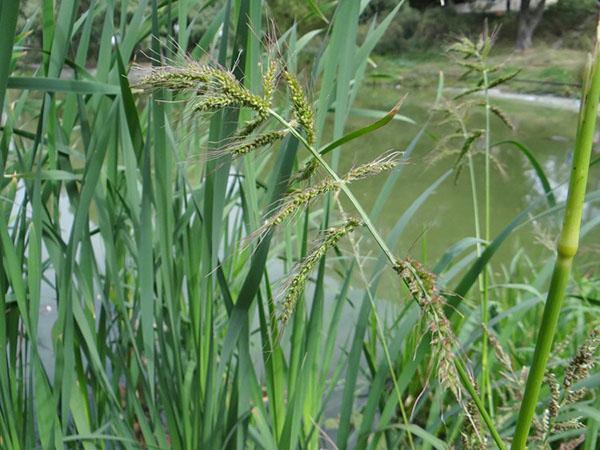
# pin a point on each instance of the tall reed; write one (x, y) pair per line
(567, 246)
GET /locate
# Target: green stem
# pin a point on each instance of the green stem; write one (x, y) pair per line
(485, 307)
(390, 256)
(567, 248)
(464, 378)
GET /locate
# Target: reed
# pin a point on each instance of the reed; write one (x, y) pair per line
(566, 248)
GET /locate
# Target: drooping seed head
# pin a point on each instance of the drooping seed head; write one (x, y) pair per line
(259, 141)
(298, 280)
(582, 362)
(190, 76)
(213, 87)
(294, 202)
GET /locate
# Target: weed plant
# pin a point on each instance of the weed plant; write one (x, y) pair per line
(178, 270)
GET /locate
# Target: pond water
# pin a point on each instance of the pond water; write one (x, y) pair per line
(447, 216)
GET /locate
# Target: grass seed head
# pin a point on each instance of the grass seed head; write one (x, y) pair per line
(190, 76)
(293, 202)
(302, 110)
(269, 81)
(213, 87)
(298, 281)
(375, 167)
(241, 149)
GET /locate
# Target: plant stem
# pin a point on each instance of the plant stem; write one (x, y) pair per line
(381, 333)
(566, 248)
(485, 307)
(389, 255)
(464, 378)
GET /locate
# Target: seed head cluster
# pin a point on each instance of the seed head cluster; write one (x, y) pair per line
(584, 360)
(298, 199)
(214, 88)
(269, 81)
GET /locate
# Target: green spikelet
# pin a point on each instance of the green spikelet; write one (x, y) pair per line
(298, 280)
(422, 287)
(268, 82)
(259, 141)
(232, 88)
(375, 167)
(307, 172)
(500, 114)
(302, 110)
(294, 201)
(189, 76)
(204, 104)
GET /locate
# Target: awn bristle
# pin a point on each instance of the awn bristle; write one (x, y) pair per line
(302, 198)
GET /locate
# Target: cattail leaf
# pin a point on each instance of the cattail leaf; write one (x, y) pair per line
(51, 175)
(61, 85)
(131, 113)
(8, 24)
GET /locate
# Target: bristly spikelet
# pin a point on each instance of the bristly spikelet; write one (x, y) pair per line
(268, 81)
(577, 370)
(375, 167)
(301, 198)
(302, 110)
(213, 87)
(306, 173)
(503, 116)
(240, 149)
(232, 88)
(190, 76)
(472, 436)
(297, 282)
(293, 202)
(554, 405)
(204, 104)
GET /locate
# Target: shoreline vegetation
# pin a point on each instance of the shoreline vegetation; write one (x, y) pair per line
(219, 283)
